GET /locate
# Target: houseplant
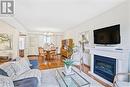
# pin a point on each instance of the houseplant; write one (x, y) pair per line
(68, 65)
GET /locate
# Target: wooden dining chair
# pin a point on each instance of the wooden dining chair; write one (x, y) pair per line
(52, 54)
(42, 55)
(40, 50)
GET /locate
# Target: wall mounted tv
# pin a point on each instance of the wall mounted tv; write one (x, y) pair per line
(107, 35)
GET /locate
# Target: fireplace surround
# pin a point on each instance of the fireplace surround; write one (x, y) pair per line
(121, 57)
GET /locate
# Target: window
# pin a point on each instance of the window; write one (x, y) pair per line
(21, 43)
(47, 39)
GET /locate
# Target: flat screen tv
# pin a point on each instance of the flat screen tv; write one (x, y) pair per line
(107, 35)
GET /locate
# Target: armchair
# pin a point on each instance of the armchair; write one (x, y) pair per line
(117, 83)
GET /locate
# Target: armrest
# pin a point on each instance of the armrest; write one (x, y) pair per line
(6, 81)
(123, 74)
(118, 74)
(116, 77)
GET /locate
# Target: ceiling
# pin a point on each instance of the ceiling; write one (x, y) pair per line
(58, 15)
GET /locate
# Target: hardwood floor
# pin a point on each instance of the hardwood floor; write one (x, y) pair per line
(49, 64)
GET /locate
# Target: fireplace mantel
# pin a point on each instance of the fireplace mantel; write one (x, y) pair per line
(121, 55)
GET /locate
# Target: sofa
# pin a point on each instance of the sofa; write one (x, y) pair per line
(15, 72)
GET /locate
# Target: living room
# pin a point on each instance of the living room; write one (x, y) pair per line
(108, 13)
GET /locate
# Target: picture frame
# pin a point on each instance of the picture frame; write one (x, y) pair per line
(5, 41)
(85, 35)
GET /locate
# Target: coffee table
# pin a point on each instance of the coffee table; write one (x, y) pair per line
(73, 80)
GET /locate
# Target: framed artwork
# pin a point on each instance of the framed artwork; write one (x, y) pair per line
(5, 41)
(84, 40)
(84, 37)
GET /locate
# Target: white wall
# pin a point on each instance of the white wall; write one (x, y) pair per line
(6, 28)
(117, 15)
(129, 29)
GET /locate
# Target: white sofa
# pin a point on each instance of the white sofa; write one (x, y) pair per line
(18, 70)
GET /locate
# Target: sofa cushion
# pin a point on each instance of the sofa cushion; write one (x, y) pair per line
(27, 82)
(21, 66)
(2, 72)
(7, 67)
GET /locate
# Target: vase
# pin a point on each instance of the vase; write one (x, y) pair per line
(68, 69)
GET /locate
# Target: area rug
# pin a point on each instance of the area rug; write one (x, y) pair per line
(49, 80)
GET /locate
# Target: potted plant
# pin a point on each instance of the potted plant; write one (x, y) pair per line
(68, 65)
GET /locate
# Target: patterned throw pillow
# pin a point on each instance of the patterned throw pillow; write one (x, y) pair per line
(2, 72)
(21, 66)
(7, 67)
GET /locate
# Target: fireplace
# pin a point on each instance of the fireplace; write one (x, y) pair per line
(105, 67)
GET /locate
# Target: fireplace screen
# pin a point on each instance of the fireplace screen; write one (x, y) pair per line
(105, 67)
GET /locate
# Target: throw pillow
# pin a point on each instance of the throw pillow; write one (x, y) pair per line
(2, 72)
(7, 67)
(21, 66)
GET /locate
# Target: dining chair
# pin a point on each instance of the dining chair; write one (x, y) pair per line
(52, 54)
(42, 55)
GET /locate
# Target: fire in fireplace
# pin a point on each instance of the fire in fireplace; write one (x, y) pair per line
(105, 67)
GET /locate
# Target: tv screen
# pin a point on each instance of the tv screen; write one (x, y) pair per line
(107, 35)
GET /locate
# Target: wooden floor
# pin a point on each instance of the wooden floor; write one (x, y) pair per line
(49, 64)
(58, 62)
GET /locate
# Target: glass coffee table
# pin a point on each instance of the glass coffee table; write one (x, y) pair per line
(73, 80)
